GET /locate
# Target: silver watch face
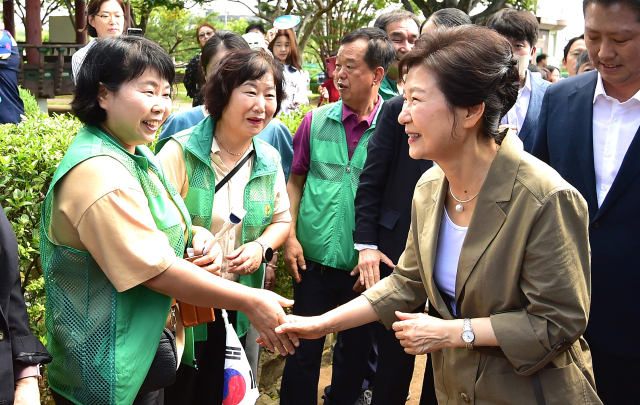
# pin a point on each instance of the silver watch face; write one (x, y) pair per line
(468, 336)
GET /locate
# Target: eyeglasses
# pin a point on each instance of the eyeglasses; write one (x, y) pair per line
(107, 17)
(205, 34)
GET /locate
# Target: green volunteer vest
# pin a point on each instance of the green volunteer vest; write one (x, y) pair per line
(103, 341)
(259, 198)
(326, 219)
(388, 88)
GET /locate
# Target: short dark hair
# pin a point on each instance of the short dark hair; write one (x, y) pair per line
(582, 59)
(551, 68)
(632, 4)
(452, 56)
(393, 16)
(221, 39)
(545, 74)
(448, 18)
(255, 26)
(380, 51)
(514, 24)
(113, 62)
(238, 67)
(541, 57)
(567, 47)
(93, 8)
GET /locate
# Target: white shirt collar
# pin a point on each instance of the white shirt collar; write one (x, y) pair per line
(527, 80)
(600, 91)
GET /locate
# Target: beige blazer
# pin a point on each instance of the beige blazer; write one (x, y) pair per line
(525, 264)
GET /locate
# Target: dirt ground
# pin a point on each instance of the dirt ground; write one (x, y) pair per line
(416, 381)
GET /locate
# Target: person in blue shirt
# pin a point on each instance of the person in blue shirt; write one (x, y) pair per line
(11, 105)
(216, 48)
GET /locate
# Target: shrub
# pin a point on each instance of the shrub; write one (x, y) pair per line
(292, 121)
(29, 155)
(31, 108)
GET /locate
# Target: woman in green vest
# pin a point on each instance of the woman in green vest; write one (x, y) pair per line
(242, 94)
(113, 233)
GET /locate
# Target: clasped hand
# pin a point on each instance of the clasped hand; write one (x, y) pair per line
(266, 318)
(417, 333)
(421, 333)
(303, 327)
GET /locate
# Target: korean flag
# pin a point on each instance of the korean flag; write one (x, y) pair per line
(239, 382)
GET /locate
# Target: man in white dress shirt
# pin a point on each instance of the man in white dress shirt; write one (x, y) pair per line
(521, 29)
(589, 134)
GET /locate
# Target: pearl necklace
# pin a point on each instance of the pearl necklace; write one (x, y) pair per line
(459, 207)
(234, 154)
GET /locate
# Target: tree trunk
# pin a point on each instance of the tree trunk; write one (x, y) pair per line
(407, 5)
(308, 29)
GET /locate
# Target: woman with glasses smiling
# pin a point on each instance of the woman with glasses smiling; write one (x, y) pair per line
(105, 18)
(193, 75)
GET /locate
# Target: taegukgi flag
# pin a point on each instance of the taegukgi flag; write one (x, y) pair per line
(239, 382)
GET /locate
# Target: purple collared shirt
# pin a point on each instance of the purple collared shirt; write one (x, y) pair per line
(353, 129)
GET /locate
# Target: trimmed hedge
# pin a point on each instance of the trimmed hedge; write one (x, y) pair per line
(29, 155)
(31, 108)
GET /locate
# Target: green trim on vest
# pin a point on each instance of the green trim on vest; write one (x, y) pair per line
(259, 197)
(388, 88)
(326, 218)
(102, 341)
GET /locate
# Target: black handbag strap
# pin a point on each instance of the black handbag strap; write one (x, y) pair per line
(234, 171)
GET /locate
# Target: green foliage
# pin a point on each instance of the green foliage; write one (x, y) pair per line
(180, 41)
(31, 108)
(29, 154)
(339, 21)
(428, 7)
(528, 5)
(34, 296)
(292, 121)
(284, 282)
(237, 26)
(141, 11)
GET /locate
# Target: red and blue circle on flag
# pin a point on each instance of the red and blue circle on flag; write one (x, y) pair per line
(235, 387)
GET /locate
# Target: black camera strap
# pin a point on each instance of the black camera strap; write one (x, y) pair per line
(234, 171)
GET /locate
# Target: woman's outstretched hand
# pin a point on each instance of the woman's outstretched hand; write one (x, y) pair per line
(300, 326)
(266, 316)
(421, 333)
(311, 327)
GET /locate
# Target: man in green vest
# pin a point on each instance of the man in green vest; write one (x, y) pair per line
(330, 148)
(403, 29)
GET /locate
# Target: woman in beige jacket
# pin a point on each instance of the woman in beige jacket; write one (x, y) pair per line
(498, 242)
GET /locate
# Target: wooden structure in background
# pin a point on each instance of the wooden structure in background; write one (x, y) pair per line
(45, 69)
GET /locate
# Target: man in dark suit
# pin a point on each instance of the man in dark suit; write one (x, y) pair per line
(589, 133)
(521, 29)
(383, 216)
(20, 351)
